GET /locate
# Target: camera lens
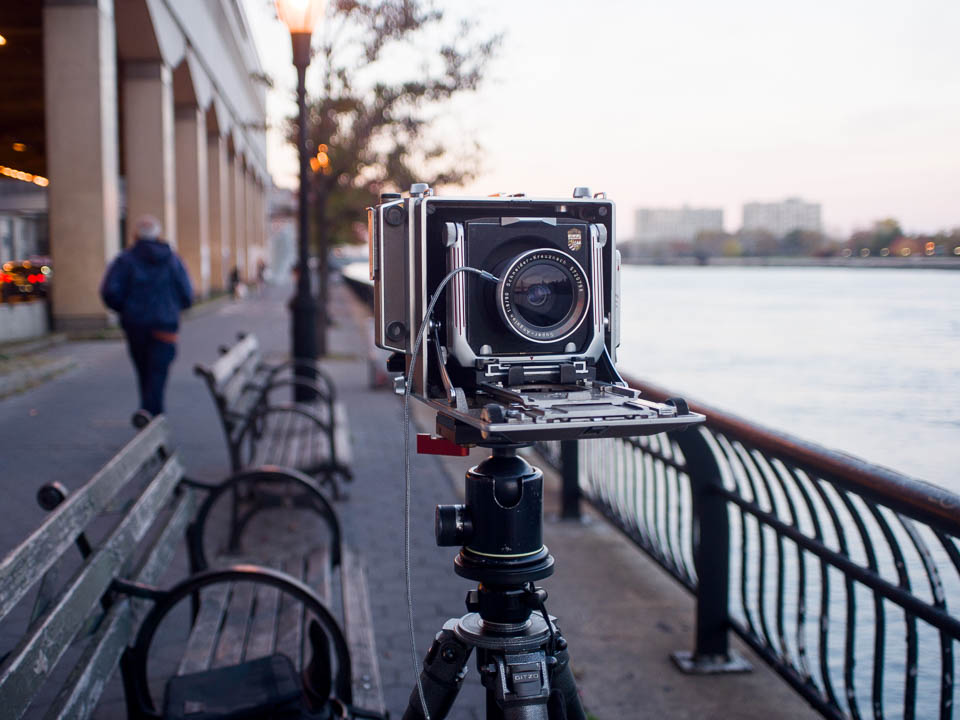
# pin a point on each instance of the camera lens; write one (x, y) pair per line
(538, 295)
(543, 295)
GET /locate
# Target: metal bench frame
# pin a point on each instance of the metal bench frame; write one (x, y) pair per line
(241, 384)
(103, 603)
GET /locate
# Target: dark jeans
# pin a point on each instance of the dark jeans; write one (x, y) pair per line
(151, 358)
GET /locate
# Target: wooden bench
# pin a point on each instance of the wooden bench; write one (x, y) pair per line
(311, 437)
(101, 607)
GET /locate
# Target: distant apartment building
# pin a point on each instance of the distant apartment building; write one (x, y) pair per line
(780, 218)
(683, 223)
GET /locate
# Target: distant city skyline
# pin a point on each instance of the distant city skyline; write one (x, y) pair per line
(780, 217)
(676, 223)
(856, 104)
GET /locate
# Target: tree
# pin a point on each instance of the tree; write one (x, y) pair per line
(757, 241)
(801, 242)
(373, 124)
(710, 243)
(884, 234)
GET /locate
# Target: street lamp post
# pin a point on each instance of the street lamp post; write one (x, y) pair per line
(300, 17)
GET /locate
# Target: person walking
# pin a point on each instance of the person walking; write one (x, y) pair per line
(148, 286)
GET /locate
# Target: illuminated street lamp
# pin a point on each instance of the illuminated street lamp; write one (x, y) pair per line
(300, 17)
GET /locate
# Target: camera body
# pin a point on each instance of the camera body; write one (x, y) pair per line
(529, 356)
(549, 319)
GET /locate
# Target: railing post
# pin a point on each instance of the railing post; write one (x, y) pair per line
(711, 557)
(570, 472)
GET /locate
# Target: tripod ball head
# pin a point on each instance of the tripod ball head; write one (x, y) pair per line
(500, 527)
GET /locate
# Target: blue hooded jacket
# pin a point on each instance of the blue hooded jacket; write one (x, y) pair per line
(148, 286)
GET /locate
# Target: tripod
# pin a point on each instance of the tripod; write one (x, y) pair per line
(521, 656)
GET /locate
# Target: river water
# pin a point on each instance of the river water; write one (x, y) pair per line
(866, 361)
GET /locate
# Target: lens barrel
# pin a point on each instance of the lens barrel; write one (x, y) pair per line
(543, 295)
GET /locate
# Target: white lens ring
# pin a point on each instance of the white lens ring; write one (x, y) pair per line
(580, 305)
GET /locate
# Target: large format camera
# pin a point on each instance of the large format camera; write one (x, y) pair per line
(527, 351)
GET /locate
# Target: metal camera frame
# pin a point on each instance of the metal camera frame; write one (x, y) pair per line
(511, 401)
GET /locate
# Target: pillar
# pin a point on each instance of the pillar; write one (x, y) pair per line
(80, 88)
(230, 246)
(148, 144)
(193, 239)
(240, 218)
(262, 222)
(218, 188)
(253, 247)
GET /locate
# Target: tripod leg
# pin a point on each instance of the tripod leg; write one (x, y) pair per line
(443, 670)
(561, 678)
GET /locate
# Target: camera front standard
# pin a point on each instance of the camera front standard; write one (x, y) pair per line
(523, 339)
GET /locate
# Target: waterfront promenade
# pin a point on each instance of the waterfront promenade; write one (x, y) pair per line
(621, 614)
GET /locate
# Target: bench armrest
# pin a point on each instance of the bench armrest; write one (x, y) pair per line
(295, 363)
(295, 381)
(265, 475)
(134, 664)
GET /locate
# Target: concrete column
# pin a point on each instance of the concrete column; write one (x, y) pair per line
(261, 222)
(240, 219)
(80, 88)
(218, 188)
(230, 222)
(193, 206)
(253, 247)
(264, 224)
(148, 144)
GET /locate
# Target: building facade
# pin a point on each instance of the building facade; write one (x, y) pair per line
(119, 108)
(781, 218)
(683, 223)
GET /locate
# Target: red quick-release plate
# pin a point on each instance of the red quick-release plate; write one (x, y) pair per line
(436, 445)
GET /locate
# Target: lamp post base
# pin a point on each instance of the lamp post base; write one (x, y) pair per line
(303, 314)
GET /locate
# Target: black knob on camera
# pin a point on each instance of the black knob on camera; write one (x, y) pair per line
(452, 525)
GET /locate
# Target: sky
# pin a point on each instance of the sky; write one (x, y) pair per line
(850, 103)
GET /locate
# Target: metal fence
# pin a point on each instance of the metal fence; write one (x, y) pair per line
(843, 576)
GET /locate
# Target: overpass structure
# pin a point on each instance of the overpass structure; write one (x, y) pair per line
(116, 108)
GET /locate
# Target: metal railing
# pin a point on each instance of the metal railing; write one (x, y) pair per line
(841, 575)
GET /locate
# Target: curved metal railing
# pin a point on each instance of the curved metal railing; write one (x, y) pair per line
(843, 576)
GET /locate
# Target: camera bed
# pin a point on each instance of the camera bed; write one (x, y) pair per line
(558, 412)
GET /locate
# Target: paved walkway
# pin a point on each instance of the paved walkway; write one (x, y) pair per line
(620, 613)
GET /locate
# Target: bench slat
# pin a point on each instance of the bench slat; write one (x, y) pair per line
(263, 625)
(290, 618)
(27, 563)
(228, 363)
(341, 435)
(367, 692)
(293, 442)
(234, 634)
(276, 433)
(318, 572)
(314, 445)
(41, 649)
(234, 389)
(206, 628)
(309, 441)
(265, 444)
(82, 689)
